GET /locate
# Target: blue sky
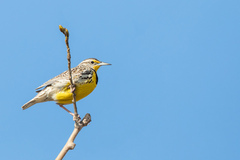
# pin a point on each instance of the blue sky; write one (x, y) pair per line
(172, 92)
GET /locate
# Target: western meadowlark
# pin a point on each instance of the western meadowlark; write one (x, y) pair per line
(57, 89)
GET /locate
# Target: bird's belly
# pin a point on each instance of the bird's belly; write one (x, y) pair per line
(82, 90)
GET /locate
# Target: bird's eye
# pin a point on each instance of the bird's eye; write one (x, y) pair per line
(92, 62)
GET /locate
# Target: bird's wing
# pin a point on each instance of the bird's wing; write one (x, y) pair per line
(62, 76)
(78, 74)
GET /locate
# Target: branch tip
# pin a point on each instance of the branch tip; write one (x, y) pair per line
(64, 30)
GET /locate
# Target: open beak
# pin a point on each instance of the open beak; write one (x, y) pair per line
(103, 64)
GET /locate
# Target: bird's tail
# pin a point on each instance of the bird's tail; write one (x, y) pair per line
(29, 104)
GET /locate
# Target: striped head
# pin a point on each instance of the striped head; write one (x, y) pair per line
(93, 63)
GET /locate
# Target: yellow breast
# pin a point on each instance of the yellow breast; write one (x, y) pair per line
(82, 90)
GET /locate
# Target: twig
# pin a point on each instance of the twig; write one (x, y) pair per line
(79, 124)
(72, 86)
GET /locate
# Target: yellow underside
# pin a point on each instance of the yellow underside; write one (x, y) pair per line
(82, 90)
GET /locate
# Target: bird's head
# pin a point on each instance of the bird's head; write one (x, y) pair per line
(94, 63)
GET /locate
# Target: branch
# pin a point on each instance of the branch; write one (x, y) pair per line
(72, 86)
(79, 124)
(70, 143)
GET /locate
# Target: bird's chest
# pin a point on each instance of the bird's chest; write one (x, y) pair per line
(84, 89)
(84, 86)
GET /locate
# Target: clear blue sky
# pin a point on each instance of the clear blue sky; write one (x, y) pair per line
(172, 92)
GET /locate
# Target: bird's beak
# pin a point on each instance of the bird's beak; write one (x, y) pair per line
(103, 64)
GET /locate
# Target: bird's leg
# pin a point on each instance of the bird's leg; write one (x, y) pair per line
(66, 109)
(75, 117)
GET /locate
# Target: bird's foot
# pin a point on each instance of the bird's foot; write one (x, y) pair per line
(76, 117)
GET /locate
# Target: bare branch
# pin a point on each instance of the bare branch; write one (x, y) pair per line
(79, 124)
(70, 145)
(72, 86)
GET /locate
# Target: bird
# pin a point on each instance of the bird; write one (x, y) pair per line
(58, 89)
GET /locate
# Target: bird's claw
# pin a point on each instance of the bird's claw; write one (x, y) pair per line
(76, 117)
